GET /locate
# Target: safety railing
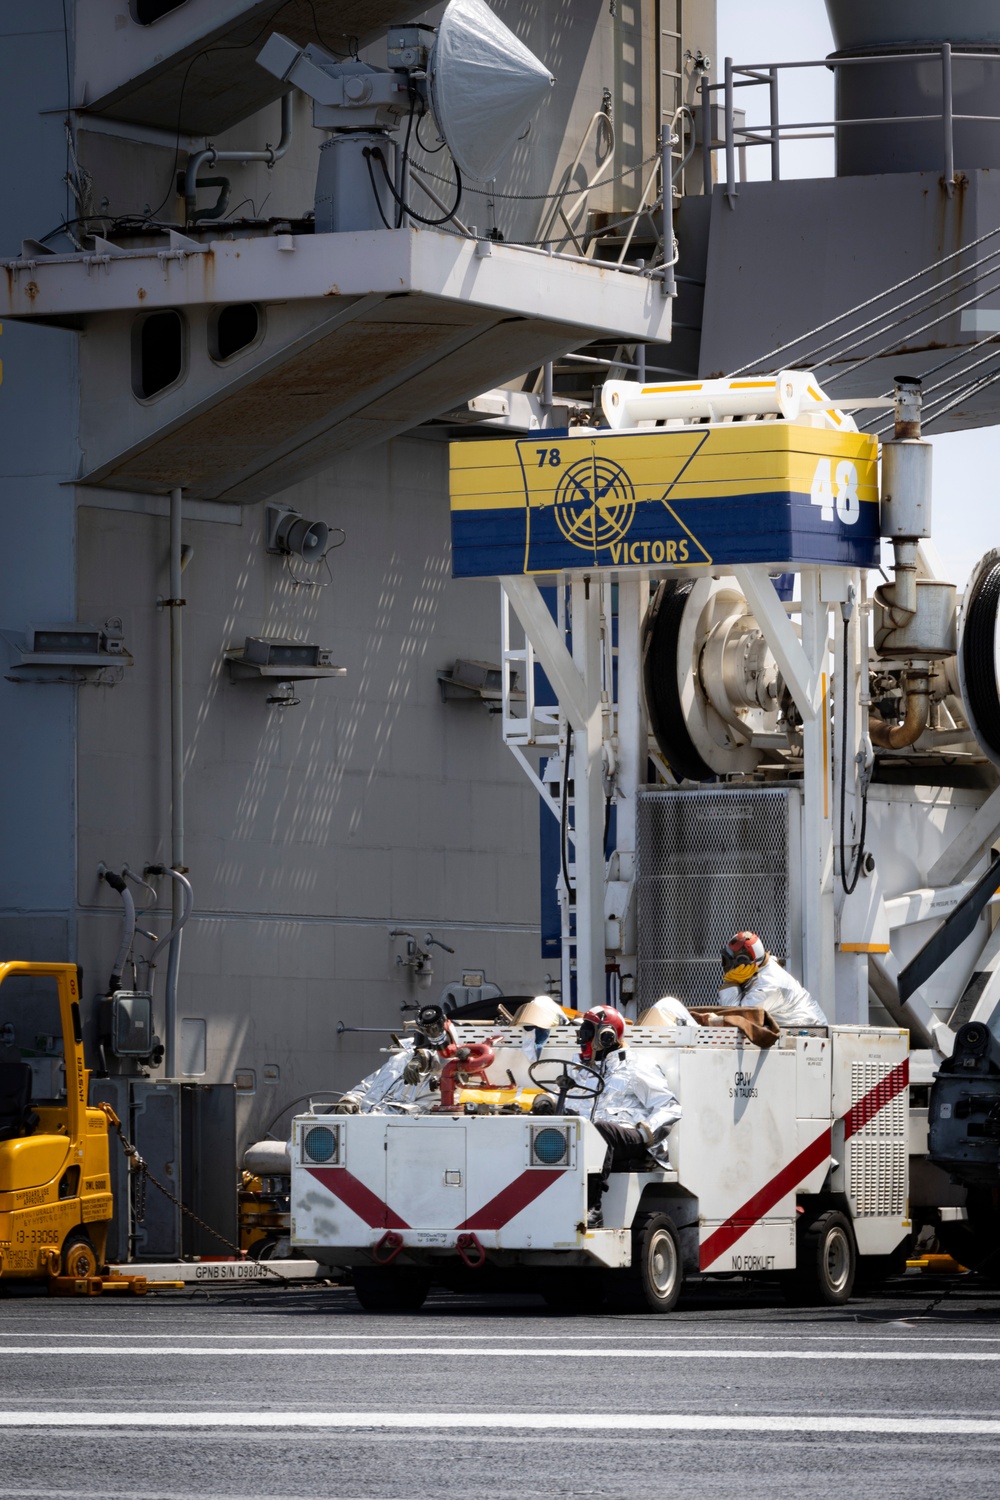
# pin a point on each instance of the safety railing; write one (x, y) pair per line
(774, 130)
(569, 204)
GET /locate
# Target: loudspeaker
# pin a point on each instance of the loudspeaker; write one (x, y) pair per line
(287, 533)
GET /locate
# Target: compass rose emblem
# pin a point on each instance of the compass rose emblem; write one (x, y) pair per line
(594, 503)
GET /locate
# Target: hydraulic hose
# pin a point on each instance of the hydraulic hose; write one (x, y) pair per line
(849, 885)
(128, 928)
(188, 896)
(564, 830)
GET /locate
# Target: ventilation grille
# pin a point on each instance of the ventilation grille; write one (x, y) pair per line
(876, 1154)
(708, 864)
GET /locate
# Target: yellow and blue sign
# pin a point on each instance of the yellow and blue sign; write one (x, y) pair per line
(693, 497)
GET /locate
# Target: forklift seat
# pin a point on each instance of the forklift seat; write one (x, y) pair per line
(16, 1115)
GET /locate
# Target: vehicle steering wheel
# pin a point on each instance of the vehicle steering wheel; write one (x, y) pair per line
(564, 1085)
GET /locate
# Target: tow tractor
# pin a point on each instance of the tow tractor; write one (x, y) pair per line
(790, 1163)
(55, 1189)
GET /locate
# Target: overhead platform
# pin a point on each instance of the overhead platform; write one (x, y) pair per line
(347, 340)
(192, 68)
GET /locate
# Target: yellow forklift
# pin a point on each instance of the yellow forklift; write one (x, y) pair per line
(55, 1189)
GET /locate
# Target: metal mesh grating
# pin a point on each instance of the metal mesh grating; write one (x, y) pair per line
(708, 864)
(876, 1154)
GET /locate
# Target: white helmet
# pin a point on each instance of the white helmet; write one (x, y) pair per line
(542, 1011)
(667, 1011)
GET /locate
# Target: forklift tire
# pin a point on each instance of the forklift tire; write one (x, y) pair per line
(79, 1258)
(384, 1289)
(827, 1262)
(652, 1283)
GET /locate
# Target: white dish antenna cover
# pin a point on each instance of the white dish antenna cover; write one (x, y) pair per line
(485, 86)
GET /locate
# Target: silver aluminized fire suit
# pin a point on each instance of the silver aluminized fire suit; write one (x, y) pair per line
(635, 1093)
(782, 997)
(384, 1090)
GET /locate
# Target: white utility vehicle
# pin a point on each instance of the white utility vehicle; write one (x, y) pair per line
(789, 1163)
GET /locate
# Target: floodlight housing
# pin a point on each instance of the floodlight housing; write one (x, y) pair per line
(484, 86)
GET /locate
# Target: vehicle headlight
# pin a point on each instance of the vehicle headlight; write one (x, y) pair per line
(320, 1143)
(549, 1145)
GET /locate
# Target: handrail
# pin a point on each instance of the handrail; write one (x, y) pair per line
(749, 75)
(556, 211)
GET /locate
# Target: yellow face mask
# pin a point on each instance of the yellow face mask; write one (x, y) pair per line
(740, 974)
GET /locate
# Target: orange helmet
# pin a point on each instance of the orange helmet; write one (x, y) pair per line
(742, 957)
(601, 1032)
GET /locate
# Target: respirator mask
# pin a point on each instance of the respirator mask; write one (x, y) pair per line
(596, 1040)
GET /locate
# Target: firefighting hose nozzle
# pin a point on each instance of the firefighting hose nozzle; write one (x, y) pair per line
(462, 1066)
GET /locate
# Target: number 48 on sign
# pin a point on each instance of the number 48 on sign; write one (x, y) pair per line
(836, 492)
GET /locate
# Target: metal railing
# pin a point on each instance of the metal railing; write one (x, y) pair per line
(754, 75)
(571, 201)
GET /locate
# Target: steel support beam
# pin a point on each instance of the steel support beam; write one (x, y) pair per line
(802, 676)
(886, 967)
(981, 994)
(968, 848)
(817, 805)
(576, 680)
(803, 667)
(630, 746)
(550, 648)
(588, 798)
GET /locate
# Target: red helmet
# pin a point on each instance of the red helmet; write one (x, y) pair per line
(601, 1032)
(742, 957)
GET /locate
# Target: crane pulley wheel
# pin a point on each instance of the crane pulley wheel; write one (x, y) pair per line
(660, 637)
(979, 656)
(700, 729)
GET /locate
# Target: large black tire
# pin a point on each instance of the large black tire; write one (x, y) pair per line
(79, 1258)
(978, 653)
(827, 1260)
(653, 1281)
(660, 635)
(386, 1289)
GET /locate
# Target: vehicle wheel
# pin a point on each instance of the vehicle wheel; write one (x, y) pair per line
(382, 1289)
(268, 1247)
(79, 1258)
(827, 1262)
(653, 1281)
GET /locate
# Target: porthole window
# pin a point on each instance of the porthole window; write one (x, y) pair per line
(232, 329)
(145, 12)
(157, 352)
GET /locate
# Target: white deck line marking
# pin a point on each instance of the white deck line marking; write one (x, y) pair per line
(851, 1338)
(973, 1356)
(759, 1424)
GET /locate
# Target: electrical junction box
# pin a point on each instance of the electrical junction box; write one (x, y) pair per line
(75, 645)
(409, 46)
(272, 656)
(126, 1023)
(267, 651)
(674, 499)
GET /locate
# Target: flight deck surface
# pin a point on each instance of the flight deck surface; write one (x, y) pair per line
(292, 1392)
